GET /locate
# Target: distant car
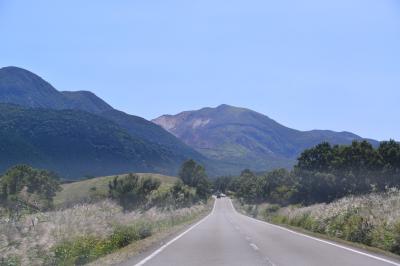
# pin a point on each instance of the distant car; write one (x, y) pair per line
(218, 196)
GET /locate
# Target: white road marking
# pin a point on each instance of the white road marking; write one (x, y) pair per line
(155, 253)
(269, 261)
(319, 240)
(254, 246)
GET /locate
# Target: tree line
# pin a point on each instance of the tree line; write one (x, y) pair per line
(322, 174)
(24, 189)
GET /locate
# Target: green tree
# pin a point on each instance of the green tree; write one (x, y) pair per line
(248, 188)
(194, 175)
(25, 187)
(222, 183)
(319, 158)
(131, 191)
(389, 152)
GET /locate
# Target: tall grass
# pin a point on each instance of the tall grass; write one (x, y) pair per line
(372, 219)
(82, 233)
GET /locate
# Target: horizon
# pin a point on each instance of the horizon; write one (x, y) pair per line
(204, 107)
(297, 64)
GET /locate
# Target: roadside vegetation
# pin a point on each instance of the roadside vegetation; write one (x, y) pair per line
(41, 225)
(349, 192)
(372, 219)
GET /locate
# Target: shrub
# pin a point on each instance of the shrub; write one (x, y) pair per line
(12, 261)
(77, 252)
(357, 229)
(396, 239)
(383, 237)
(131, 191)
(85, 249)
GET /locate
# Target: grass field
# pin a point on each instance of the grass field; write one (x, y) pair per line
(85, 190)
(83, 228)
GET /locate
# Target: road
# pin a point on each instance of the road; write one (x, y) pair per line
(226, 237)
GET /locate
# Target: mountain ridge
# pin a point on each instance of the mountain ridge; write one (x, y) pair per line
(75, 143)
(245, 137)
(26, 89)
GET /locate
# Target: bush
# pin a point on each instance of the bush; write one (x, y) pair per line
(76, 252)
(85, 249)
(131, 191)
(384, 238)
(396, 239)
(13, 261)
(357, 229)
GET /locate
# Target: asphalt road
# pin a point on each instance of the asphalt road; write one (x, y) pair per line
(226, 237)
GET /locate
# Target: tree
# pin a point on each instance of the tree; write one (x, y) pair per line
(25, 187)
(131, 191)
(277, 186)
(318, 159)
(248, 188)
(124, 189)
(222, 183)
(389, 152)
(191, 172)
(194, 175)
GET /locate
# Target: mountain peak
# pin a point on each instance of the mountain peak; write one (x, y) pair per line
(18, 74)
(22, 87)
(222, 106)
(14, 69)
(245, 138)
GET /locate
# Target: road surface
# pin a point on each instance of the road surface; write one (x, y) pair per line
(226, 237)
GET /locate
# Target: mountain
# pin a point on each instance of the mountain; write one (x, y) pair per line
(16, 87)
(244, 138)
(85, 101)
(24, 88)
(75, 143)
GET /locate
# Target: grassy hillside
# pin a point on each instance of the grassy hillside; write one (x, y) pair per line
(81, 191)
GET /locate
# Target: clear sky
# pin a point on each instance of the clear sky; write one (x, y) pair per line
(331, 64)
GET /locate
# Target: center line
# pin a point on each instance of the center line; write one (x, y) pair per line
(254, 246)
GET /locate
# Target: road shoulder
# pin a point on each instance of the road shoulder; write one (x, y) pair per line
(137, 251)
(336, 241)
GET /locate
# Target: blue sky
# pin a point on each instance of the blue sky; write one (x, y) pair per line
(307, 64)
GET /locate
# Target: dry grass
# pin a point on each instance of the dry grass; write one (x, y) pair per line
(372, 219)
(378, 208)
(32, 238)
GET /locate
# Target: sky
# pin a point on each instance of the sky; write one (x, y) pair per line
(311, 64)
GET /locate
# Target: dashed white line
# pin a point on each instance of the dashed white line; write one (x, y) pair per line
(319, 240)
(254, 246)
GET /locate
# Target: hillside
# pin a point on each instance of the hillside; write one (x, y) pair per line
(22, 87)
(244, 138)
(85, 101)
(81, 191)
(75, 143)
